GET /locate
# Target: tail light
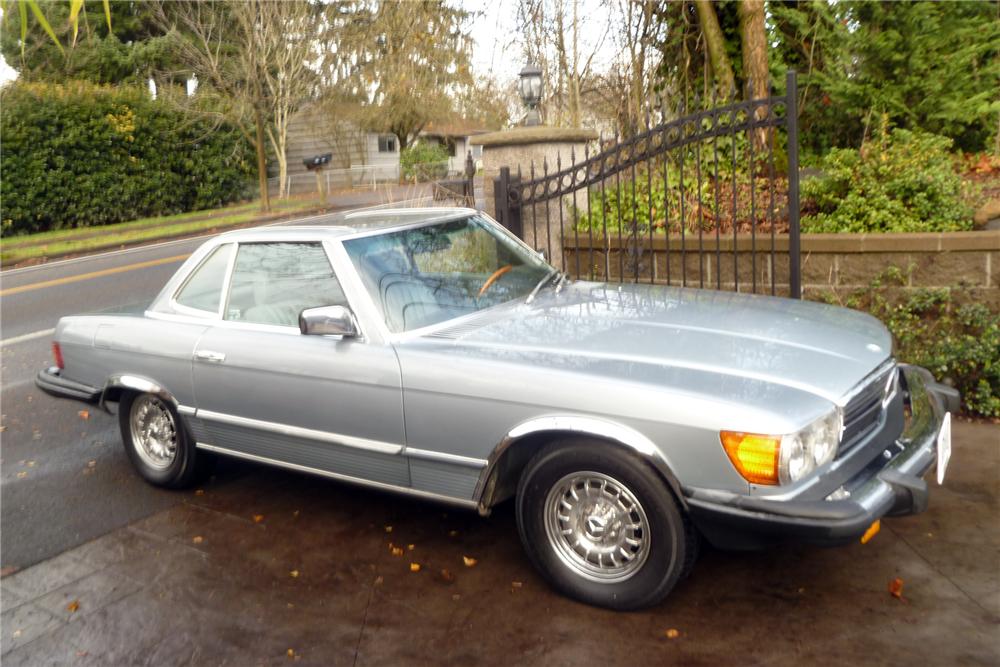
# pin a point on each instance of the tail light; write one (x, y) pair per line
(57, 356)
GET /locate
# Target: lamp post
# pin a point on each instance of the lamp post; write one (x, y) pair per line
(530, 87)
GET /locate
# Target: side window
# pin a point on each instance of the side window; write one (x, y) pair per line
(274, 282)
(203, 290)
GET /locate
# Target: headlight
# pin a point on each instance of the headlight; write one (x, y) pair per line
(784, 459)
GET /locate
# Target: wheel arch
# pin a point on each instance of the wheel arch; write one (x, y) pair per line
(118, 384)
(498, 481)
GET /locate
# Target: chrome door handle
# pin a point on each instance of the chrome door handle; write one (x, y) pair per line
(208, 355)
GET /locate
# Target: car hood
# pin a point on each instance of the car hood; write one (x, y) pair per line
(824, 350)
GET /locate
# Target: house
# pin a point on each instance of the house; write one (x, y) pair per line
(360, 157)
(454, 136)
(357, 157)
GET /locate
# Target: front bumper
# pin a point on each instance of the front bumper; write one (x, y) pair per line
(51, 382)
(890, 485)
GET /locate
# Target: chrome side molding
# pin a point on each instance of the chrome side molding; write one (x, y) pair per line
(460, 502)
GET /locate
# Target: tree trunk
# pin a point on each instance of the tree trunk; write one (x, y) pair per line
(715, 44)
(265, 198)
(753, 39)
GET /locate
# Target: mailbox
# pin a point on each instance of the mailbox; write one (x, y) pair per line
(317, 161)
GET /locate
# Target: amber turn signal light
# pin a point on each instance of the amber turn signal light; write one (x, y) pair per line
(754, 456)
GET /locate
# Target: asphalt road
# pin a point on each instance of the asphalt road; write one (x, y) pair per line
(64, 478)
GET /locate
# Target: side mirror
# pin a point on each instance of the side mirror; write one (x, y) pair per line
(328, 321)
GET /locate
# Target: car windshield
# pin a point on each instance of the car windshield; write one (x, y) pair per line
(425, 275)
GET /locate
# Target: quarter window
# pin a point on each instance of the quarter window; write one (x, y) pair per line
(203, 290)
(274, 282)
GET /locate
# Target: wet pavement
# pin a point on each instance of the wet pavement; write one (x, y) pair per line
(266, 567)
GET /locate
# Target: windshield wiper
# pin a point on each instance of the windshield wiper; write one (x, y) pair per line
(563, 278)
(541, 283)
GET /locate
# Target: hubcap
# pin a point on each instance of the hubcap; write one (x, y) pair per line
(153, 431)
(596, 526)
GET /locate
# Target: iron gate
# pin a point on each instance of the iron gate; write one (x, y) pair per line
(696, 200)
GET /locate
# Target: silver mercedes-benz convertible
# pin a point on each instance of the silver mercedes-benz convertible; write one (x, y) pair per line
(430, 352)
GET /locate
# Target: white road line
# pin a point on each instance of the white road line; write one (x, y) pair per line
(26, 337)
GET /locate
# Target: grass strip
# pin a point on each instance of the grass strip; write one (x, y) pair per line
(43, 238)
(117, 236)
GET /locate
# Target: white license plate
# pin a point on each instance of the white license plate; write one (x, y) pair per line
(943, 447)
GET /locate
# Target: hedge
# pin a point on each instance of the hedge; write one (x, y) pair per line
(79, 154)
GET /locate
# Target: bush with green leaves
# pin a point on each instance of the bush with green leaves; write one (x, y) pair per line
(79, 154)
(424, 161)
(942, 329)
(899, 181)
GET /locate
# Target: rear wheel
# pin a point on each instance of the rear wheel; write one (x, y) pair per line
(601, 525)
(158, 444)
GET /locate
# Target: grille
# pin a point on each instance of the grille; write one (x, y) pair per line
(863, 410)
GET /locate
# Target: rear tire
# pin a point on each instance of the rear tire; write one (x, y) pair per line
(602, 526)
(158, 443)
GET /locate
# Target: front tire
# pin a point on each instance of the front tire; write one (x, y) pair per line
(601, 525)
(157, 442)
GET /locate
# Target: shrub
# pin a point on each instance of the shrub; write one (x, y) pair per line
(79, 154)
(943, 330)
(900, 181)
(424, 161)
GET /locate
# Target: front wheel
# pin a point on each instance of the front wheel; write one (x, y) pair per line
(157, 443)
(602, 526)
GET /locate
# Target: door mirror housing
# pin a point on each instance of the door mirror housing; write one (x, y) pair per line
(328, 321)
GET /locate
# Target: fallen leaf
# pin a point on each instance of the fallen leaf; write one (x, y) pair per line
(294, 574)
(388, 529)
(91, 464)
(456, 596)
(516, 584)
(82, 654)
(447, 575)
(22, 475)
(291, 606)
(411, 547)
(378, 580)
(31, 464)
(17, 633)
(295, 513)
(896, 588)
(397, 551)
(197, 539)
(672, 633)
(83, 414)
(73, 606)
(414, 567)
(469, 562)
(257, 518)
(291, 653)
(452, 533)
(199, 492)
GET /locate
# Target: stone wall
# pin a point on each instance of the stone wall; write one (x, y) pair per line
(837, 263)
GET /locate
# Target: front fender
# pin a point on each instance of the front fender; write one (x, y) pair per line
(560, 425)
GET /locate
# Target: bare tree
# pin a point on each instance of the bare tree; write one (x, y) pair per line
(550, 39)
(255, 55)
(283, 47)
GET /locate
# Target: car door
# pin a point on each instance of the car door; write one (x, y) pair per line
(266, 392)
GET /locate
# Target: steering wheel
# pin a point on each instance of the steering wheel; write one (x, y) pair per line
(495, 276)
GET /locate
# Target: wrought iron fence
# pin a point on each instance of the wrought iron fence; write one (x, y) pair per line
(708, 198)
